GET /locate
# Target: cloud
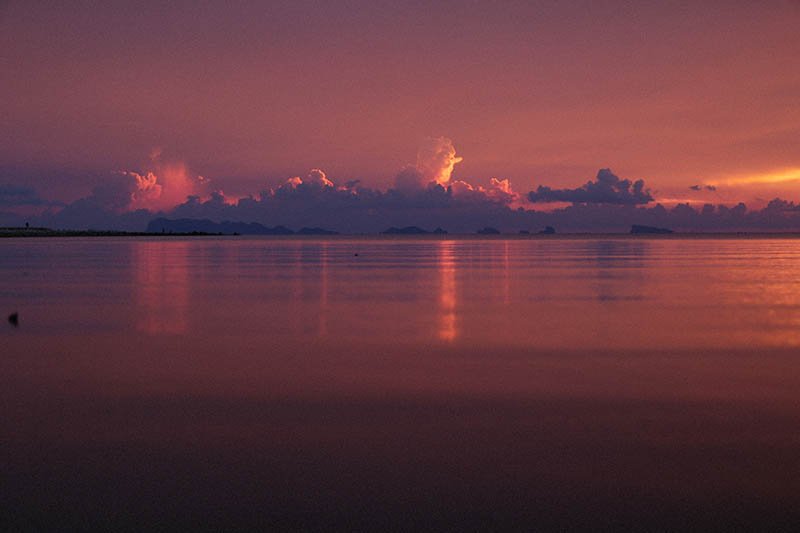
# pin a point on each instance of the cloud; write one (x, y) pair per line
(459, 208)
(695, 187)
(372, 211)
(316, 179)
(168, 188)
(177, 183)
(498, 191)
(779, 205)
(164, 186)
(14, 196)
(127, 191)
(436, 159)
(128, 200)
(607, 189)
(701, 187)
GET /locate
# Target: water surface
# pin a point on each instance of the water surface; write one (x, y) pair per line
(413, 383)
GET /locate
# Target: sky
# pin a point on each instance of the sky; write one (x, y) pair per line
(131, 106)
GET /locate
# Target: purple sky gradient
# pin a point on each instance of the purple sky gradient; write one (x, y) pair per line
(248, 94)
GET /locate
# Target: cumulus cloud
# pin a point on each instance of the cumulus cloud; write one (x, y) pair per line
(498, 191)
(460, 208)
(779, 205)
(436, 159)
(425, 195)
(164, 186)
(118, 191)
(434, 168)
(316, 179)
(607, 189)
(177, 183)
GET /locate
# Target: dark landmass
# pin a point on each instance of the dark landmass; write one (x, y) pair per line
(548, 230)
(649, 229)
(439, 231)
(317, 231)
(47, 232)
(488, 230)
(524, 232)
(186, 225)
(408, 230)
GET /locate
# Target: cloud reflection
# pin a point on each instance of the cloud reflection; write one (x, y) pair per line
(323, 297)
(161, 272)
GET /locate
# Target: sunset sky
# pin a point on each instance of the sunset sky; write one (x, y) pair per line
(248, 94)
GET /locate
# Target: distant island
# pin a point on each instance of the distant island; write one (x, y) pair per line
(649, 229)
(49, 232)
(488, 230)
(412, 230)
(183, 225)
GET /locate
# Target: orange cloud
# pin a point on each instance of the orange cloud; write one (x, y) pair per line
(435, 162)
(162, 187)
(499, 190)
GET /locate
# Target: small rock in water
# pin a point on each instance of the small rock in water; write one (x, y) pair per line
(13, 318)
(355, 255)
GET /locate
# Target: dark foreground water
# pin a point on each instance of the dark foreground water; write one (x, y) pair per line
(228, 383)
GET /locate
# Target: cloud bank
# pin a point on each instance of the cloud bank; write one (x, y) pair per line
(13, 196)
(607, 189)
(425, 194)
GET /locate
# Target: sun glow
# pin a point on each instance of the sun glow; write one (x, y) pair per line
(781, 176)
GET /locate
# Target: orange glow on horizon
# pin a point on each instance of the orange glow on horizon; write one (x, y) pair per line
(781, 176)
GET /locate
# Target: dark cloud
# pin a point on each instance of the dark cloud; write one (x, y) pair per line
(372, 211)
(607, 189)
(459, 207)
(710, 188)
(695, 187)
(14, 196)
(352, 209)
(116, 193)
(779, 205)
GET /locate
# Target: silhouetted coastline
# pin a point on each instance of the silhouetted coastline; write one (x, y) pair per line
(409, 230)
(649, 229)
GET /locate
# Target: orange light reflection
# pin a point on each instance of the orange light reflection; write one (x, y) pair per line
(447, 295)
(161, 271)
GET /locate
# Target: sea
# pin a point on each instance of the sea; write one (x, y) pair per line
(403, 383)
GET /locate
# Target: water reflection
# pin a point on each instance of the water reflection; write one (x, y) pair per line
(323, 293)
(616, 381)
(619, 268)
(447, 294)
(506, 287)
(161, 273)
(555, 293)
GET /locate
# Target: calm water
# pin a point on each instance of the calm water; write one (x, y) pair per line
(237, 382)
